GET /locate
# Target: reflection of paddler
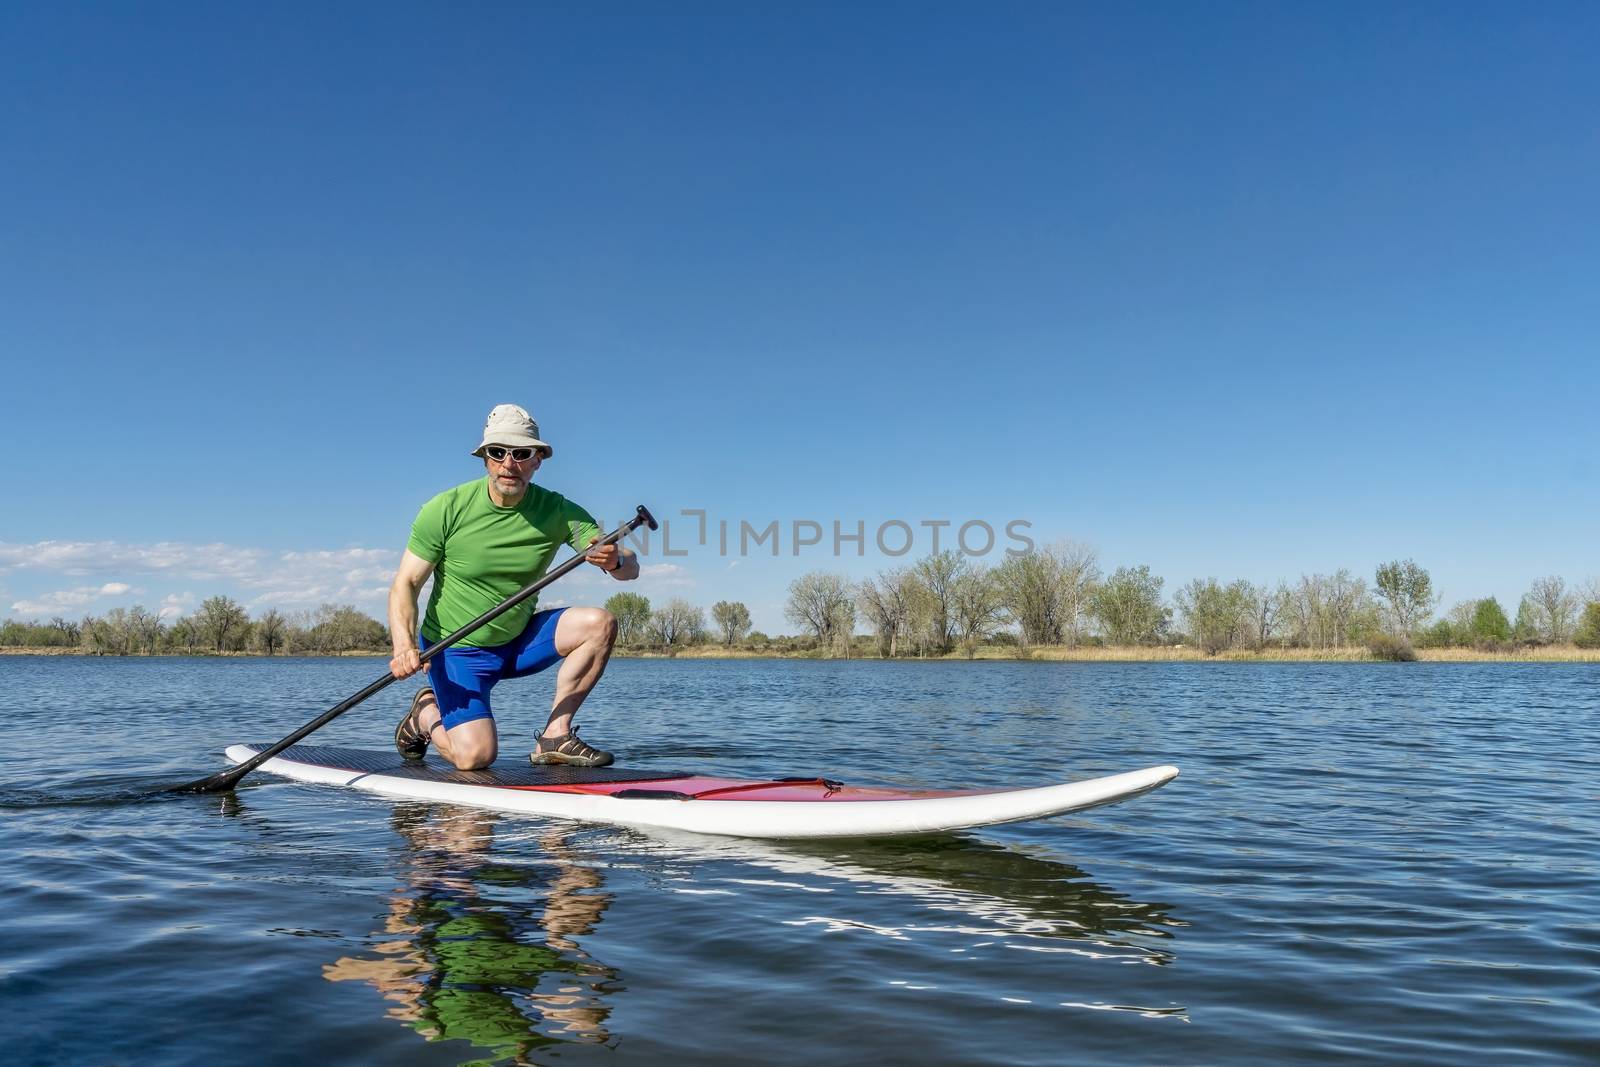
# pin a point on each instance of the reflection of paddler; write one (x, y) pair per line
(466, 963)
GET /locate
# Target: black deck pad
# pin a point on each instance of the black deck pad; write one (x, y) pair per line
(505, 771)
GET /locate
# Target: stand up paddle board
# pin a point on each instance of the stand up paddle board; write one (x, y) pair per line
(779, 808)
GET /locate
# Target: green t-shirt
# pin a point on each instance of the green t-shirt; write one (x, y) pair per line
(483, 553)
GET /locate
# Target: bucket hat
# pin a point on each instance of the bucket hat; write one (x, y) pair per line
(510, 425)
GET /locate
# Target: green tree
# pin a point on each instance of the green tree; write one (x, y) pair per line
(632, 613)
(342, 628)
(184, 634)
(1526, 628)
(1128, 605)
(1216, 616)
(1489, 622)
(977, 605)
(1587, 635)
(1046, 591)
(1407, 592)
(732, 619)
(1441, 634)
(221, 622)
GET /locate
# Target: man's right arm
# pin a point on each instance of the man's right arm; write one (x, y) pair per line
(408, 582)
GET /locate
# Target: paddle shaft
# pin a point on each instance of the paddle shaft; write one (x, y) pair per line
(225, 780)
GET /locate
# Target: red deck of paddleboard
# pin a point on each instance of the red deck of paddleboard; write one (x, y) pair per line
(702, 788)
(605, 781)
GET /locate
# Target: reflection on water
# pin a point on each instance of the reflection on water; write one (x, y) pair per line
(956, 894)
(484, 942)
(486, 952)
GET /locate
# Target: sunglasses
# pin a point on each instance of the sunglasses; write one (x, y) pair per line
(498, 453)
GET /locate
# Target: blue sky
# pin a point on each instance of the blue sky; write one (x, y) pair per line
(1235, 290)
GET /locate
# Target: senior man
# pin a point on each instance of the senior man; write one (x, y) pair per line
(482, 542)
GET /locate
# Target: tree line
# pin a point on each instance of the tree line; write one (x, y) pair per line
(219, 625)
(1058, 595)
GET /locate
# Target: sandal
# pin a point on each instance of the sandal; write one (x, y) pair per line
(568, 749)
(409, 740)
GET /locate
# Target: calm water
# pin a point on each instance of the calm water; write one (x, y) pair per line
(1360, 863)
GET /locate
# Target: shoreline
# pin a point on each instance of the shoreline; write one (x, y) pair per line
(995, 653)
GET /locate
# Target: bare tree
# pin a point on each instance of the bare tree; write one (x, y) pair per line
(1347, 596)
(1080, 575)
(938, 575)
(844, 622)
(1460, 617)
(677, 623)
(1268, 604)
(108, 635)
(271, 631)
(820, 602)
(1553, 608)
(144, 630)
(886, 601)
(1308, 609)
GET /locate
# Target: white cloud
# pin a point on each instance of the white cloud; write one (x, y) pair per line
(67, 599)
(80, 558)
(175, 604)
(666, 576)
(287, 579)
(304, 579)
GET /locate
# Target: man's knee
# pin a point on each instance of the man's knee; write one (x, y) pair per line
(598, 624)
(472, 746)
(471, 757)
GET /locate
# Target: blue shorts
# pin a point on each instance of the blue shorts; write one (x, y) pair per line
(462, 677)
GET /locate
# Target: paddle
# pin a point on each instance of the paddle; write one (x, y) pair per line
(226, 780)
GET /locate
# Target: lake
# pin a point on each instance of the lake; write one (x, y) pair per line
(1361, 863)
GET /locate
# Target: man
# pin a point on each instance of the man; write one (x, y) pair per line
(482, 542)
